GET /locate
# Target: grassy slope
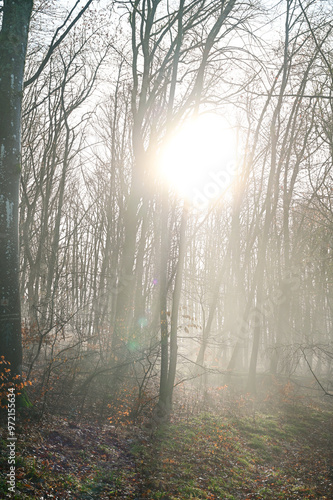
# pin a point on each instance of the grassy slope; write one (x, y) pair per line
(273, 455)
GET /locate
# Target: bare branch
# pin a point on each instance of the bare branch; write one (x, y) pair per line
(55, 43)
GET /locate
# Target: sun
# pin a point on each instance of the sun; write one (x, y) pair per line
(199, 160)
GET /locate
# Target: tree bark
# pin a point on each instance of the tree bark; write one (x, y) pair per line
(13, 46)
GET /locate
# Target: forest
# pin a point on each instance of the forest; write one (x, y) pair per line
(166, 249)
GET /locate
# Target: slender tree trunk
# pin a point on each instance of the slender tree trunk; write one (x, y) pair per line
(13, 46)
(175, 310)
(163, 277)
(212, 311)
(125, 295)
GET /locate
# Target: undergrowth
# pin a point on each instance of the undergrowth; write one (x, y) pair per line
(281, 452)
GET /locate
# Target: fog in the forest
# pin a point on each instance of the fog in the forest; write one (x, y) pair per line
(175, 212)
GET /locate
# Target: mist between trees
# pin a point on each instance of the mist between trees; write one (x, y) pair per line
(127, 287)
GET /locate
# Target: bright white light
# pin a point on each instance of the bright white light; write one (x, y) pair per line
(199, 160)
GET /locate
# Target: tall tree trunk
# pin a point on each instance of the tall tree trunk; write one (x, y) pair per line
(13, 46)
(270, 208)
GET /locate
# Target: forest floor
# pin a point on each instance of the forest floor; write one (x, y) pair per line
(282, 452)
